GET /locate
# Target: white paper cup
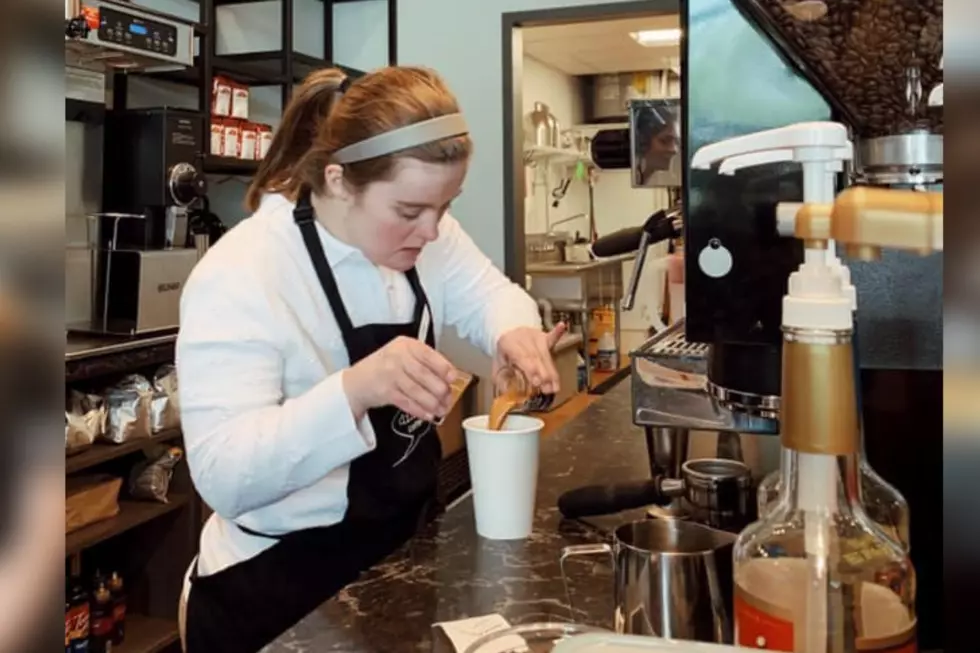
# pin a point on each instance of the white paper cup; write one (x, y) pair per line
(504, 474)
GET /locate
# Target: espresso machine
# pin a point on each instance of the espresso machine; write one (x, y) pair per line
(144, 247)
(749, 66)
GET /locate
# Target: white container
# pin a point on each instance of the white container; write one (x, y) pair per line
(609, 643)
(504, 474)
(607, 358)
(675, 286)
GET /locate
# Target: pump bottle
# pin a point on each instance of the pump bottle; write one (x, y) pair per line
(815, 143)
(816, 574)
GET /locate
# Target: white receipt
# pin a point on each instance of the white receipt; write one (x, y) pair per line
(463, 632)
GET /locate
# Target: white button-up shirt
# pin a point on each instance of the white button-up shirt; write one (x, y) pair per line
(267, 426)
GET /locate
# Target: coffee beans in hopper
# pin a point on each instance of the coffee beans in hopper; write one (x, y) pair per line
(862, 50)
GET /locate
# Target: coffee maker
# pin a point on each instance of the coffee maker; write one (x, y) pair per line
(152, 179)
(756, 65)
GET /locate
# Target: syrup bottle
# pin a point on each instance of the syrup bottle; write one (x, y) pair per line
(816, 574)
(883, 503)
(100, 639)
(118, 608)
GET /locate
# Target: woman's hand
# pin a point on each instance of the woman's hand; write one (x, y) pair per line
(529, 350)
(405, 373)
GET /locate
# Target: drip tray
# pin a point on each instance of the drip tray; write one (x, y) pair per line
(670, 388)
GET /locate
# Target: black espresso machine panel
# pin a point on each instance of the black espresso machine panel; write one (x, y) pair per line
(731, 218)
(152, 167)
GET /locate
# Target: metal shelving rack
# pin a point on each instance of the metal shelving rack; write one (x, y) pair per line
(284, 67)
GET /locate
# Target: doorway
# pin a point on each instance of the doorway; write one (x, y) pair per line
(560, 63)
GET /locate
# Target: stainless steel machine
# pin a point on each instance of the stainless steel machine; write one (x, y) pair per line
(114, 35)
(754, 65)
(144, 247)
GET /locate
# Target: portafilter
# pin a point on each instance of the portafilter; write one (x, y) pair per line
(717, 493)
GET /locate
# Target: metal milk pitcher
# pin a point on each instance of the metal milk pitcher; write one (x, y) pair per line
(673, 579)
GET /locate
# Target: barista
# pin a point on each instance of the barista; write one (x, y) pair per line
(309, 375)
(657, 142)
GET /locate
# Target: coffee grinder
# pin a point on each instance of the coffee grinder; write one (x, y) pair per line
(876, 67)
(152, 178)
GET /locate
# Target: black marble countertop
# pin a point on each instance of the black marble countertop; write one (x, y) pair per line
(447, 572)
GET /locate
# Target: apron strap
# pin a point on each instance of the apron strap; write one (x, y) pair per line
(306, 221)
(421, 307)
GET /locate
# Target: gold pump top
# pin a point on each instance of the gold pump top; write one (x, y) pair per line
(865, 220)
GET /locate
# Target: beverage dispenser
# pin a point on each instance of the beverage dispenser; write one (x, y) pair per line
(750, 66)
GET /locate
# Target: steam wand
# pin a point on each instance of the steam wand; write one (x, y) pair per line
(661, 226)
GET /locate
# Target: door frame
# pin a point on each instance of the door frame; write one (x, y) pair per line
(512, 49)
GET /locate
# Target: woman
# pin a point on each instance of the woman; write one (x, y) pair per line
(309, 375)
(657, 143)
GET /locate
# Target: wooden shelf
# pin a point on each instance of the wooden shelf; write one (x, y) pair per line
(147, 634)
(101, 452)
(131, 514)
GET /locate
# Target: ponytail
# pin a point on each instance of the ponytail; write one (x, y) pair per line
(307, 110)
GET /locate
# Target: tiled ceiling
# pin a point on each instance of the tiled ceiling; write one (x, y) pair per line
(601, 46)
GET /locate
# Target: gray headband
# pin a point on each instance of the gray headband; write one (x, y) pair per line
(403, 138)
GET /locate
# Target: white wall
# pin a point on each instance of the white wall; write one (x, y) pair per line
(563, 97)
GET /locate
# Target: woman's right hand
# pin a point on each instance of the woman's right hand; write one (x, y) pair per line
(405, 373)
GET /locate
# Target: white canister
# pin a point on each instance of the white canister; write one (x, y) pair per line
(606, 355)
(675, 286)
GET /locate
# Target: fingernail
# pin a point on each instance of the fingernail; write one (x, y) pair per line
(430, 417)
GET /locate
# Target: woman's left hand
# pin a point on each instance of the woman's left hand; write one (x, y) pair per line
(529, 350)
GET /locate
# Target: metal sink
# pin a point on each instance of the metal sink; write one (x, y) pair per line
(571, 268)
(578, 287)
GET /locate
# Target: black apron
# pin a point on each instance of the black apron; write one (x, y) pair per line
(244, 607)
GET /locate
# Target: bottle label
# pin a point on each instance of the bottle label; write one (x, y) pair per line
(76, 623)
(761, 626)
(904, 642)
(119, 612)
